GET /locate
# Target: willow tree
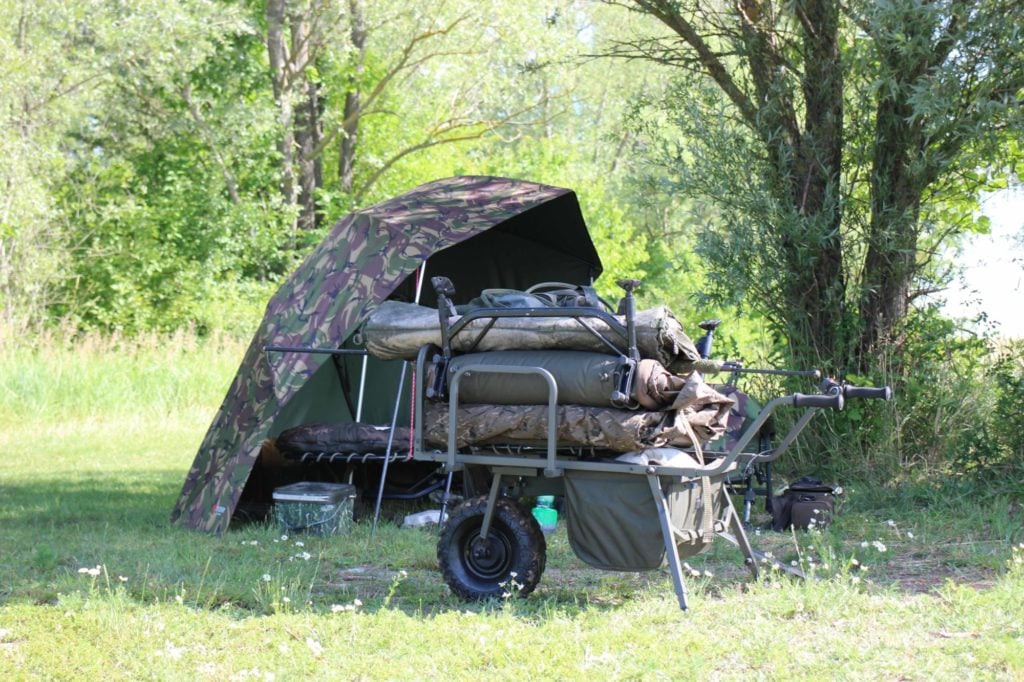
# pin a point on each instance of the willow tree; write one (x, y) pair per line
(841, 144)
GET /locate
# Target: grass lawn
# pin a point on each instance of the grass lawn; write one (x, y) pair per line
(917, 582)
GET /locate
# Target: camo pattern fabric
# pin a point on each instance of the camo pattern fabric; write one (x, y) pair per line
(363, 259)
(703, 410)
(744, 411)
(604, 428)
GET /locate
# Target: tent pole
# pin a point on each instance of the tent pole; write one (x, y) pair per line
(362, 387)
(387, 451)
(420, 272)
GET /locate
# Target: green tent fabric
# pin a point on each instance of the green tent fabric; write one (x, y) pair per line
(481, 232)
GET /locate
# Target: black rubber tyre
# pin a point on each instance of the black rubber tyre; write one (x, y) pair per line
(478, 569)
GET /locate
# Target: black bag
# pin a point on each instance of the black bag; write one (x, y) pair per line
(806, 503)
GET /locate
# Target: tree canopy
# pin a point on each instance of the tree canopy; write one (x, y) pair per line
(164, 165)
(841, 143)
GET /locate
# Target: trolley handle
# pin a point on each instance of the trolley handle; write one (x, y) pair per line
(869, 392)
(834, 401)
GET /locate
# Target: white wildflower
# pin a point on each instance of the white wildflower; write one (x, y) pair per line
(890, 523)
(267, 577)
(174, 652)
(910, 535)
(300, 543)
(314, 646)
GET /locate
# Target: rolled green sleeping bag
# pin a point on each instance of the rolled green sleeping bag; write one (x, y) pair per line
(582, 378)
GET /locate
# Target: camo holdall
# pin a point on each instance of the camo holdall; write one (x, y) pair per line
(806, 503)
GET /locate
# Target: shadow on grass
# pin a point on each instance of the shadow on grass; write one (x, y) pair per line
(57, 529)
(136, 498)
(562, 591)
(55, 526)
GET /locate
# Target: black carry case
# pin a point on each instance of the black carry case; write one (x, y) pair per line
(806, 503)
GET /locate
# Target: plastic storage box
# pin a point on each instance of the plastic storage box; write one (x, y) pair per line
(315, 508)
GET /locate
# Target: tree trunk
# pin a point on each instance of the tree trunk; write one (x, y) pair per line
(289, 49)
(816, 196)
(350, 120)
(890, 262)
(277, 52)
(807, 163)
(308, 130)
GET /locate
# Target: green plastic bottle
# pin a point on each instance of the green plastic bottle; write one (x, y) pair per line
(545, 513)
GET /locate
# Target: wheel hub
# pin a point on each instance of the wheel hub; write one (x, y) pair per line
(488, 558)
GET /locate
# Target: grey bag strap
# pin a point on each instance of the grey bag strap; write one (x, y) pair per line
(707, 532)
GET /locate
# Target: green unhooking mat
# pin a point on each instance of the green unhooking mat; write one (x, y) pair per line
(582, 378)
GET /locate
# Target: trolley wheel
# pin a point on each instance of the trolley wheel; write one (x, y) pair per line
(475, 568)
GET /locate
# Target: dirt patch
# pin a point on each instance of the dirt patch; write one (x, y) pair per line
(921, 575)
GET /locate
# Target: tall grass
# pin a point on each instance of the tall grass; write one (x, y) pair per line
(58, 376)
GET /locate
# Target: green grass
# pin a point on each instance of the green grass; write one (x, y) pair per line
(95, 583)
